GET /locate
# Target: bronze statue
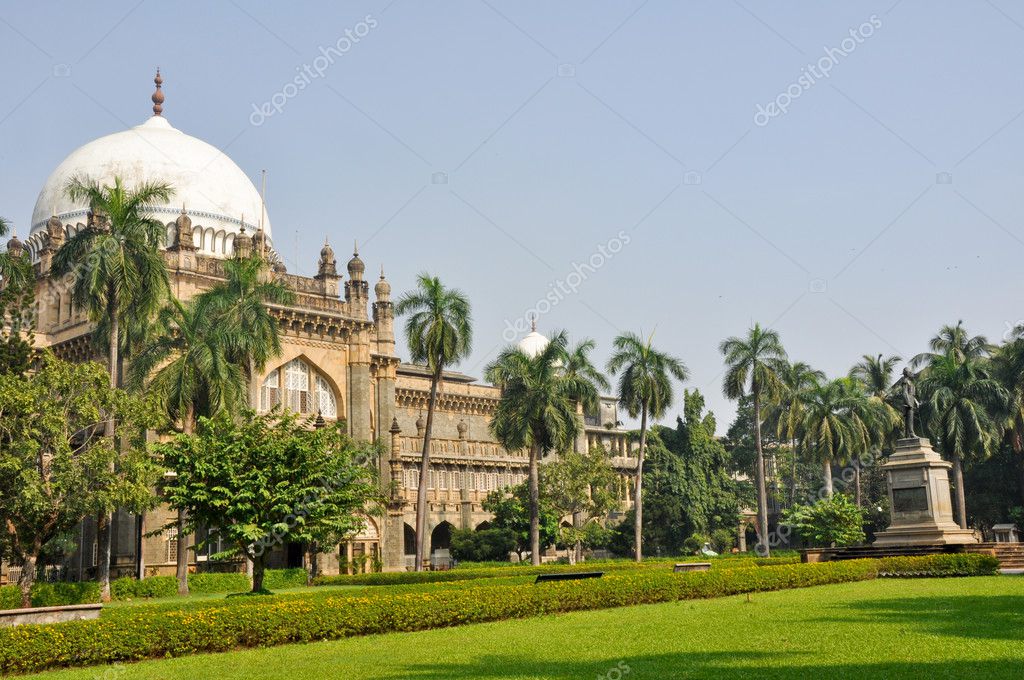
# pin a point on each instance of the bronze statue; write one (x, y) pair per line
(910, 404)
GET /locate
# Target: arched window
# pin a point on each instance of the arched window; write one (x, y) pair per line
(297, 387)
(326, 402)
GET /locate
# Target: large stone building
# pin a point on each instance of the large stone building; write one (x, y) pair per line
(338, 359)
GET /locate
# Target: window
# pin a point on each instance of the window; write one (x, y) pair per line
(298, 388)
(172, 544)
(296, 385)
(443, 474)
(270, 394)
(326, 403)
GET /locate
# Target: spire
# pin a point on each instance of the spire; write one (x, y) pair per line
(158, 95)
(533, 323)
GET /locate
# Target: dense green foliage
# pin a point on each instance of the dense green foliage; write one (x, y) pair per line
(270, 621)
(51, 594)
(511, 510)
(483, 545)
(834, 521)
(689, 486)
(263, 478)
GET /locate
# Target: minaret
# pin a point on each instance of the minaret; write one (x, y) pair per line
(243, 242)
(356, 290)
(384, 316)
(327, 271)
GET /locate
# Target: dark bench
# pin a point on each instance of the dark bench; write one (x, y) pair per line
(692, 566)
(568, 577)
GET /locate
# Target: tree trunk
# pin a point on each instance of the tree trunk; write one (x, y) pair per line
(534, 506)
(762, 493)
(312, 562)
(257, 574)
(421, 493)
(577, 523)
(856, 482)
(638, 489)
(792, 475)
(826, 471)
(106, 519)
(28, 577)
(181, 565)
(958, 480)
(103, 523)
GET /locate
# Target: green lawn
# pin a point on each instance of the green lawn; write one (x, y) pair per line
(889, 628)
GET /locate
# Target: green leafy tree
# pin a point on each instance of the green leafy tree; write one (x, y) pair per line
(582, 486)
(645, 389)
(184, 364)
(1008, 369)
(690, 489)
(834, 521)
(17, 307)
(439, 333)
(960, 409)
(483, 545)
(537, 412)
(511, 512)
(14, 267)
(754, 365)
(57, 466)
(118, 275)
(261, 479)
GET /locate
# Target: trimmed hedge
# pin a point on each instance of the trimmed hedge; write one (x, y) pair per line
(407, 577)
(128, 588)
(51, 594)
(264, 621)
(958, 564)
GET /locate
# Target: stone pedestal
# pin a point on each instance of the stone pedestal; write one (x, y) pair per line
(919, 499)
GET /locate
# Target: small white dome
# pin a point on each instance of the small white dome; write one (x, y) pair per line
(533, 344)
(213, 189)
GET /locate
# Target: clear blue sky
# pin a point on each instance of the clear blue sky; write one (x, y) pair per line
(564, 128)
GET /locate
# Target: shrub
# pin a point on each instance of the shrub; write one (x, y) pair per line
(128, 588)
(251, 621)
(958, 564)
(485, 545)
(279, 579)
(52, 594)
(830, 521)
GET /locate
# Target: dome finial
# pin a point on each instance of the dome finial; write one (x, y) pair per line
(355, 248)
(533, 323)
(158, 95)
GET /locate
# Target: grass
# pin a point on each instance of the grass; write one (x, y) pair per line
(916, 628)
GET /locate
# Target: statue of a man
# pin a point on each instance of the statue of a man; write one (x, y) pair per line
(910, 403)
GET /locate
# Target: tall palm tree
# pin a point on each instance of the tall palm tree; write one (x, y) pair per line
(185, 364)
(840, 423)
(753, 366)
(17, 272)
(240, 303)
(586, 380)
(876, 374)
(118, 274)
(798, 379)
(645, 389)
(439, 332)
(1008, 368)
(955, 342)
(961, 406)
(537, 411)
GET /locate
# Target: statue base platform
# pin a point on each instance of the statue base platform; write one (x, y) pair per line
(919, 500)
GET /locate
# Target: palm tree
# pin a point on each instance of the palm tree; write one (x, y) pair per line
(240, 303)
(960, 408)
(1008, 368)
(439, 332)
(876, 374)
(586, 380)
(753, 366)
(841, 422)
(185, 364)
(645, 389)
(955, 342)
(118, 274)
(16, 272)
(537, 411)
(798, 379)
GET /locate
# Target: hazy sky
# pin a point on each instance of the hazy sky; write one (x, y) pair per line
(848, 175)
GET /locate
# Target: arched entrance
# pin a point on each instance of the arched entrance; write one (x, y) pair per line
(441, 537)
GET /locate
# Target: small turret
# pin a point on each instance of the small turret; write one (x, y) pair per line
(357, 291)
(15, 248)
(183, 232)
(243, 243)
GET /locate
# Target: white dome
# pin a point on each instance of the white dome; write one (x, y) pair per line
(214, 191)
(533, 344)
